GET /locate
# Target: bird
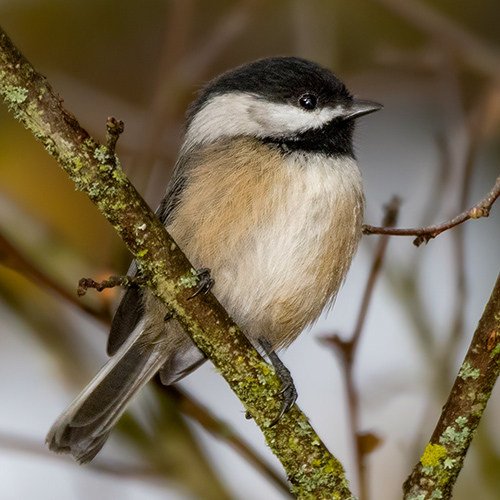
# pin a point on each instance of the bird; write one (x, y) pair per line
(267, 195)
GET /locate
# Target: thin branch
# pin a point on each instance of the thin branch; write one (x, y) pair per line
(113, 281)
(476, 125)
(390, 218)
(447, 33)
(26, 445)
(424, 234)
(192, 408)
(114, 128)
(436, 473)
(364, 443)
(312, 471)
(189, 69)
(13, 258)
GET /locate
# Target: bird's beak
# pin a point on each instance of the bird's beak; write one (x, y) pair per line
(360, 107)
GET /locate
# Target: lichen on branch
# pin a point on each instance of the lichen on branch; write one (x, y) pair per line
(436, 473)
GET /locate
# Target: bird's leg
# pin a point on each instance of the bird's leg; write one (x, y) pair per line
(288, 392)
(205, 282)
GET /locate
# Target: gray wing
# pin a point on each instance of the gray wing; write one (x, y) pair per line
(129, 311)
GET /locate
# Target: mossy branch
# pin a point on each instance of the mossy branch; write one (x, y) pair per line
(436, 473)
(312, 471)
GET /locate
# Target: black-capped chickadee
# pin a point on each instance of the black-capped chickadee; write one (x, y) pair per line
(267, 194)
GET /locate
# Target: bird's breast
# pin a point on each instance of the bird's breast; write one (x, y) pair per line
(278, 232)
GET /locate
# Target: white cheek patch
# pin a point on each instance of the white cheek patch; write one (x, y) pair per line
(237, 113)
(285, 119)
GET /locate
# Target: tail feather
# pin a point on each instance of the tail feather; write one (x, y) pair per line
(85, 425)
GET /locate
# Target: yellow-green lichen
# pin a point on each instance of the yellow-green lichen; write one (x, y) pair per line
(333, 466)
(262, 374)
(495, 351)
(77, 163)
(304, 424)
(14, 96)
(467, 371)
(293, 443)
(322, 473)
(89, 143)
(119, 205)
(34, 111)
(452, 437)
(101, 154)
(119, 175)
(189, 280)
(96, 189)
(265, 369)
(433, 455)
(142, 253)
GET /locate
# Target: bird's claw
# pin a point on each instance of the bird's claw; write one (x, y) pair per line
(288, 392)
(288, 395)
(205, 282)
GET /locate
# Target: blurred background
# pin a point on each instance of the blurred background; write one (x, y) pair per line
(435, 66)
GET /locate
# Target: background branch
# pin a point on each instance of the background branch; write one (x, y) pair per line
(364, 443)
(436, 473)
(475, 52)
(190, 407)
(481, 209)
(12, 257)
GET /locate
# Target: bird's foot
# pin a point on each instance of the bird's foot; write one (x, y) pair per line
(205, 282)
(288, 392)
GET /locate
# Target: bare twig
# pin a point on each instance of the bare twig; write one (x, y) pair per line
(476, 125)
(474, 51)
(26, 445)
(364, 442)
(424, 234)
(436, 473)
(390, 218)
(184, 71)
(113, 281)
(114, 128)
(13, 258)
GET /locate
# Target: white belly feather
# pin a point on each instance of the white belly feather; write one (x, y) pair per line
(279, 239)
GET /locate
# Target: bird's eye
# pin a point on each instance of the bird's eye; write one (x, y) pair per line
(308, 101)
